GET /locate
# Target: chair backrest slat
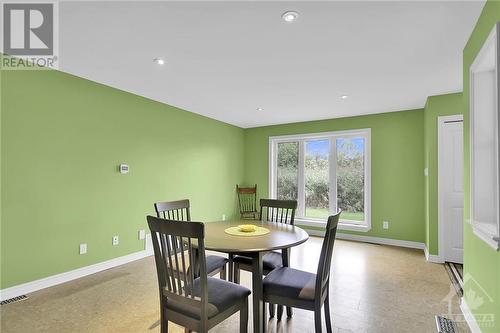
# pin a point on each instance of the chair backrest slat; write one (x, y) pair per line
(191, 260)
(173, 210)
(184, 267)
(247, 199)
(325, 260)
(175, 247)
(162, 269)
(174, 244)
(281, 211)
(170, 267)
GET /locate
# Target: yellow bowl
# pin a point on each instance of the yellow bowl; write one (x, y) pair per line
(247, 228)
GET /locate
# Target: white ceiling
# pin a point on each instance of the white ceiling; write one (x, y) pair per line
(226, 59)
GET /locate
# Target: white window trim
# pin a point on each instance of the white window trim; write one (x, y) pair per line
(488, 232)
(301, 220)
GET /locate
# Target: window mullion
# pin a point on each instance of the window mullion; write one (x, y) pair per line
(301, 181)
(274, 170)
(332, 161)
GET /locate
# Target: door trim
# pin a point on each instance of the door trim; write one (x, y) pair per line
(441, 121)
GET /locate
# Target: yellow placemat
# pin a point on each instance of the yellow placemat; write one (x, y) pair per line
(235, 231)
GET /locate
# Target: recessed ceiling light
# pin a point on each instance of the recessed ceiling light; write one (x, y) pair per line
(159, 61)
(344, 96)
(260, 109)
(290, 16)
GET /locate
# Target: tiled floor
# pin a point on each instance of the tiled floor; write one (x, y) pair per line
(374, 289)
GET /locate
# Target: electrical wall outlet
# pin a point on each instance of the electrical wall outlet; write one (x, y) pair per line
(142, 234)
(386, 224)
(116, 240)
(223, 217)
(83, 248)
(148, 244)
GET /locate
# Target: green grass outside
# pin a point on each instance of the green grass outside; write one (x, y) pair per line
(323, 213)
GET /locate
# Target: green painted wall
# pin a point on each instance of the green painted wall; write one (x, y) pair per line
(397, 166)
(62, 139)
(481, 262)
(436, 106)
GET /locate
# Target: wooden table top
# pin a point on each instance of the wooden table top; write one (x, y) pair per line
(280, 236)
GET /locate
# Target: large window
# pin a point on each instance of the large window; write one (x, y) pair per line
(323, 172)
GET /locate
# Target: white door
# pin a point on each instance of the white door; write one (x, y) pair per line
(451, 155)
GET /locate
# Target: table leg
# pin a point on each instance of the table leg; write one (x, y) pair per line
(230, 268)
(257, 293)
(285, 257)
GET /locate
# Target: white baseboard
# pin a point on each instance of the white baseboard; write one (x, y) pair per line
(432, 257)
(469, 317)
(53, 280)
(370, 239)
(314, 232)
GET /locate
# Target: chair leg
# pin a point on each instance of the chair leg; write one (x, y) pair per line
(203, 327)
(244, 317)
(289, 312)
(223, 272)
(271, 310)
(280, 312)
(264, 318)
(236, 273)
(317, 320)
(163, 320)
(327, 313)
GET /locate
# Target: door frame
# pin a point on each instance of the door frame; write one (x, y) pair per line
(441, 121)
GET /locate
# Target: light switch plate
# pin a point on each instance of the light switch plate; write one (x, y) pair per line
(124, 168)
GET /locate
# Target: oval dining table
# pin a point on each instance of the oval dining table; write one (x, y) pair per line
(280, 236)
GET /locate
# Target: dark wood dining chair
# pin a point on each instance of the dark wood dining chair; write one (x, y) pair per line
(271, 210)
(247, 200)
(292, 287)
(197, 303)
(180, 211)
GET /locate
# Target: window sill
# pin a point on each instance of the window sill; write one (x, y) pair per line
(487, 233)
(343, 225)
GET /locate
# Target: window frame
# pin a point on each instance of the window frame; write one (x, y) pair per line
(488, 231)
(332, 136)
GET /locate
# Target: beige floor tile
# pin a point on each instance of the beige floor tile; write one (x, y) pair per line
(374, 288)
